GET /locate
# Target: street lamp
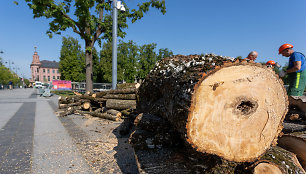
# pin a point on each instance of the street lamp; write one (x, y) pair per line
(119, 6)
(9, 62)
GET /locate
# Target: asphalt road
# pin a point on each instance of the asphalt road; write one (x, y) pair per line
(34, 140)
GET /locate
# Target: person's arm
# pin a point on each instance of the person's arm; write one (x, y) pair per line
(296, 66)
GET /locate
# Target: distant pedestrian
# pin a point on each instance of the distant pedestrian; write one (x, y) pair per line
(252, 56)
(10, 85)
(296, 70)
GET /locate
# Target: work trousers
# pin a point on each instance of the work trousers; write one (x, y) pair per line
(297, 83)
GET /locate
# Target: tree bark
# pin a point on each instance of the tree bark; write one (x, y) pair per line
(127, 85)
(114, 112)
(120, 104)
(100, 115)
(295, 145)
(88, 66)
(232, 109)
(298, 101)
(120, 96)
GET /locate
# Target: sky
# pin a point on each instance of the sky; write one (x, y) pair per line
(223, 27)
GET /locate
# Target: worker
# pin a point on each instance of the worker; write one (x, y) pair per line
(252, 56)
(272, 64)
(296, 70)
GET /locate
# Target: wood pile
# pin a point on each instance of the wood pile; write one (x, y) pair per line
(110, 104)
(297, 108)
(229, 110)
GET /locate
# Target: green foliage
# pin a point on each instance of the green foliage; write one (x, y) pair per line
(91, 19)
(134, 62)
(95, 61)
(164, 52)
(106, 63)
(127, 61)
(147, 59)
(239, 57)
(26, 81)
(6, 76)
(72, 60)
(94, 17)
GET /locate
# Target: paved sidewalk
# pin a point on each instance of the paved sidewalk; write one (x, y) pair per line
(32, 138)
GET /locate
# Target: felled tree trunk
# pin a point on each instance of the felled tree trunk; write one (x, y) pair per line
(120, 104)
(295, 145)
(231, 109)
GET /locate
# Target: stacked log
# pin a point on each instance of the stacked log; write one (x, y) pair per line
(220, 106)
(106, 104)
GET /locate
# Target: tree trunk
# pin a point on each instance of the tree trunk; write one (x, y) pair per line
(266, 168)
(114, 112)
(120, 104)
(86, 105)
(120, 96)
(295, 145)
(298, 101)
(88, 66)
(232, 109)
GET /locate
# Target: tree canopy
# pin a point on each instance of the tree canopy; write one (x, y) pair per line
(90, 19)
(134, 61)
(6, 75)
(72, 60)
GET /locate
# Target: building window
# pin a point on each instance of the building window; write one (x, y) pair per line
(37, 70)
(57, 77)
(48, 78)
(53, 71)
(44, 70)
(48, 71)
(53, 77)
(57, 71)
(45, 78)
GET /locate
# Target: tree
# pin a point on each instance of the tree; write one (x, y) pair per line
(6, 76)
(164, 52)
(96, 61)
(106, 62)
(127, 61)
(147, 59)
(72, 63)
(91, 20)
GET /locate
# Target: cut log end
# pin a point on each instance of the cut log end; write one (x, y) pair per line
(266, 168)
(237, 115)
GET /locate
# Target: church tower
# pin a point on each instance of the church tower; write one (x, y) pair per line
(35, 65)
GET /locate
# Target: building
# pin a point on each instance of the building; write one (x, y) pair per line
(45, 70)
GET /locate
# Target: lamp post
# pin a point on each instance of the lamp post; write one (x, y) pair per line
(114, 51)
(9, 62)
(119, 6)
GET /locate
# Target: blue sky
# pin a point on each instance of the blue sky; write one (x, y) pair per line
(224, 27)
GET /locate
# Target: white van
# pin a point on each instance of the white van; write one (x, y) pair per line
(38, 84)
